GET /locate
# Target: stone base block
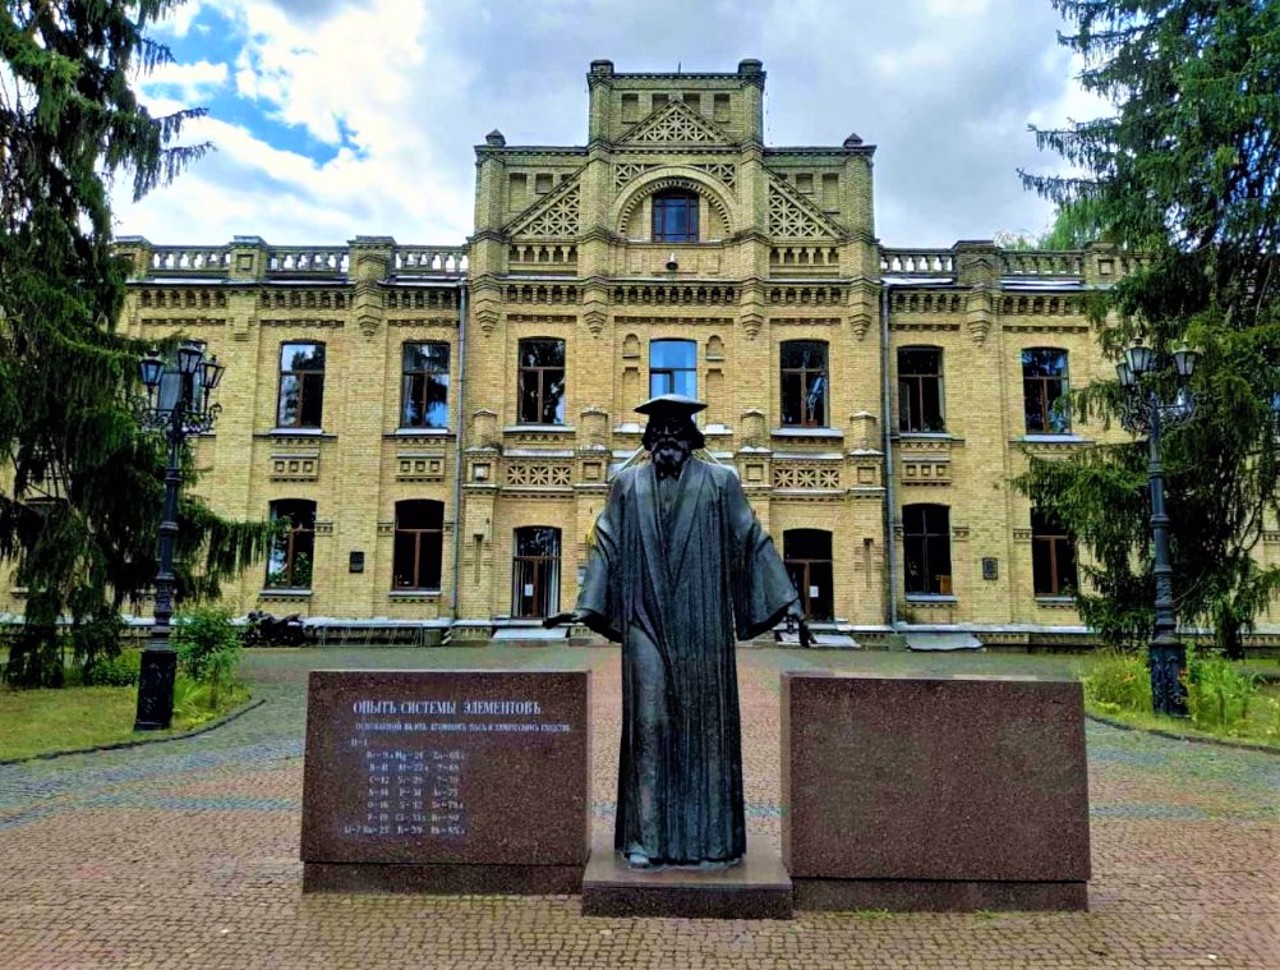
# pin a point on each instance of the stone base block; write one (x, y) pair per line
(757, 888)
(442, 880)
(917, 895)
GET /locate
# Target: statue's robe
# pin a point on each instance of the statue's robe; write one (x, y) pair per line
(677, 580)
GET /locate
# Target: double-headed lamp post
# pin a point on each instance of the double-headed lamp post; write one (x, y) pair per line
(1147, 410)
(177, 405)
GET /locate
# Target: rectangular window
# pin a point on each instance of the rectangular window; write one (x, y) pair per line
(658, 101)
(290, 555)
(1053, 556)
(541, 381)
(424, 397)
(542, 183)
(1044, 391)
(675, 217)
(673, 367)
(301, 401)
(804, 183)
(721, 108)
(804, 383)
(926, 546)
(418, 544)
(694, 100)
(920, 389)
(630, 109)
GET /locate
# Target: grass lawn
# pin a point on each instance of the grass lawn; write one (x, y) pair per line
(40, 721)
(1262, 732)
(35, 722)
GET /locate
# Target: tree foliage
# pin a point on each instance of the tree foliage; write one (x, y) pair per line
(1184, 173)
(78, 519)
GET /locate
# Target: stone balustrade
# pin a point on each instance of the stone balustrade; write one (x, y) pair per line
(235, 260)
(1041, 263)
(434, 260)
(308, 260)
(918, 262)
(250, 257)
(189, 260)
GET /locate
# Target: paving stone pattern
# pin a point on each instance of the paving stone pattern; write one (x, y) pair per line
(186, 854)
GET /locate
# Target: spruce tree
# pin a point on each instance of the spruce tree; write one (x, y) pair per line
(81, 492)
(1185, 173)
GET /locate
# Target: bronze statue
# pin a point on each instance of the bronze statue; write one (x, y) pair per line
(681, 571)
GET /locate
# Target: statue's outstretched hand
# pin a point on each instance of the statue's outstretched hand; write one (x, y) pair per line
(560, 619)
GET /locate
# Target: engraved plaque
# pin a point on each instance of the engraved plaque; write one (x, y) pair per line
(447, 767)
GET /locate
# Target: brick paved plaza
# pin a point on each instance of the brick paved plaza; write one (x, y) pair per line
(185, 854)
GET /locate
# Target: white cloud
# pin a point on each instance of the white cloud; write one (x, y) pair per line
(177, 20)
(194, 82)
(395, 93)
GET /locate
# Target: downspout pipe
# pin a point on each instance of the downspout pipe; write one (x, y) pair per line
(457, 458)
(890, 494)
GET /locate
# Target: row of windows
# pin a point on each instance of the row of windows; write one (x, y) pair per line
(415, 561)
(1044, 385)
(535, 589)
(926, 547)
(424, 398)
(424, 385)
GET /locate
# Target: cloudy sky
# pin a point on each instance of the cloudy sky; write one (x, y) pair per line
(333, 118)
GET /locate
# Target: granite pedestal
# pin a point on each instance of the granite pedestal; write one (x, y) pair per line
(756, 888)
(952, 794)
(446, 781)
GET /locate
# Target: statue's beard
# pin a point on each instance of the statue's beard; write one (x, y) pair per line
(669, 455)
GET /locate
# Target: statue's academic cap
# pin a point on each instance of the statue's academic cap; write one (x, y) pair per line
(671, 403)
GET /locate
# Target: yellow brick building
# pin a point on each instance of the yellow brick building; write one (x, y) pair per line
(439, 422)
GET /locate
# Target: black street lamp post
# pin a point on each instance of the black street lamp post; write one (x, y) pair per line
(178, 405)
(1147, 410)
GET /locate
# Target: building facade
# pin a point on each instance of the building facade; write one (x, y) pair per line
(439, 423)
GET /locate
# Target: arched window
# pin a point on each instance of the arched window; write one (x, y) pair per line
(807, 556)
(804, 383)
(926, 542)
(289, 563)
(675, 216)
(535, 572)
(418, 545)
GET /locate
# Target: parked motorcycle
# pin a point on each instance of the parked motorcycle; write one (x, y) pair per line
(266, 630)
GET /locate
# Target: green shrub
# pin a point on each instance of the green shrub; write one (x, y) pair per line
(192, 702)
(1117, 682)
(118, 671)
(197, 702)
(208, 644)
(1219, 694)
